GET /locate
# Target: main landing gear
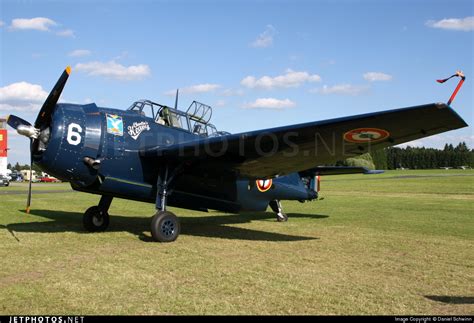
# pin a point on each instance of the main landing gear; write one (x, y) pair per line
(96, 218)
(275, 205)
(165, 226)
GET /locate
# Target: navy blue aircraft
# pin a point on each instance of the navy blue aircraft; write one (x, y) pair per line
(163, 155)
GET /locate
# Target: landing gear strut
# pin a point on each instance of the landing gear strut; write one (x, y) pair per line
(96, 218)
(165, 226)
(276, 207)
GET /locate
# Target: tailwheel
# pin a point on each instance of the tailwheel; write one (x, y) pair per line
(281, 216)
(165, 226)
(96, 219)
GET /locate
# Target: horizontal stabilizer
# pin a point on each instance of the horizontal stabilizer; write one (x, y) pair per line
(338, 170)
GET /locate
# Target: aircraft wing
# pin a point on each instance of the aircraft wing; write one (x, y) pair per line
(283, 150)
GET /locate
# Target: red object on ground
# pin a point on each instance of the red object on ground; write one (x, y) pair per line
(3, 143)
(48, 179)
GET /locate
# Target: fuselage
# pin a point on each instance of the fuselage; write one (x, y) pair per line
(114, 139)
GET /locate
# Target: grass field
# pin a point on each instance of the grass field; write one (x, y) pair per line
(396, 243)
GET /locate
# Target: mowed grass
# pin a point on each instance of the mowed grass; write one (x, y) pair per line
(395, 243)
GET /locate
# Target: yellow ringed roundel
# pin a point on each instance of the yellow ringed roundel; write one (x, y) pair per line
(363, 135)
(264, 185)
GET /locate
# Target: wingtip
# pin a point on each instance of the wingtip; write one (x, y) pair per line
(441, 105)
(68, 70)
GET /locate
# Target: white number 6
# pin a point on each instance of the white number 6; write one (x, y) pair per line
(74, 134)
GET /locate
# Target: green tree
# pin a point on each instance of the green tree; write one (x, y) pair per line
(36, 169)
(380, 158)
(462, 154)
(364, 160)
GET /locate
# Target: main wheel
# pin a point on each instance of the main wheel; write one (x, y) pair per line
(165, 227)
(95, 220)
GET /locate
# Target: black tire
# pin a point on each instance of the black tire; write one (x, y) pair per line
(95, 220)
(284, 217)
(165, 227)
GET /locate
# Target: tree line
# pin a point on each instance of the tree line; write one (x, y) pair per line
(415, 158)
(17, 167)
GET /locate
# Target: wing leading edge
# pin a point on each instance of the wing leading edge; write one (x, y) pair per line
(283, 150)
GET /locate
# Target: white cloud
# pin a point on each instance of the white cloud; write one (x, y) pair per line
(2, 23)
(414, 143)
(38, 23)
(20, 107)
(80, 53)
(232, 92)
(114, 70)
(294, 58)
(22, 96)
(290, 79)
(66, 33)
(41, 24)
(122, 55)
(464, 24)
(265, 39)
(198, 88)
(344, 89)
(220, 103)
(377, 76)
(22, 91)
(270, 103)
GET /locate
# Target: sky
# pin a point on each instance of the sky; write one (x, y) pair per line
(259, 64)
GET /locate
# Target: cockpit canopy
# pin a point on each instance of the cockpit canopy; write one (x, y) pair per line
(195, 119)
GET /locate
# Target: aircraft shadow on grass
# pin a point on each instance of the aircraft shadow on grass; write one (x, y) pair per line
(451, 299)
(214, 226)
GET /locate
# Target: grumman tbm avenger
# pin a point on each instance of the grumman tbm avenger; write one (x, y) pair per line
(163, 155)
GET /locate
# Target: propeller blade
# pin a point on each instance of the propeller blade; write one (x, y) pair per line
(14, 121)
(48, 106)
(23, 127)
(28, 201)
